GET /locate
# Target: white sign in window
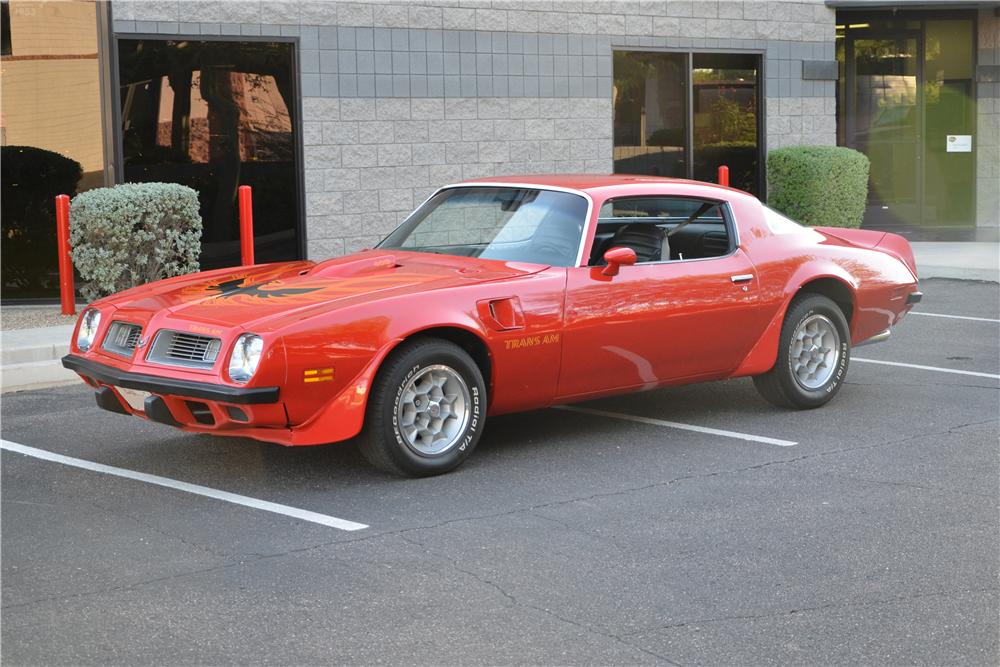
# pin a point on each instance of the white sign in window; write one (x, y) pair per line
(959, 143)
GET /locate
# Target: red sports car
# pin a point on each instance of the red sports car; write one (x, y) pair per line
(496, 296)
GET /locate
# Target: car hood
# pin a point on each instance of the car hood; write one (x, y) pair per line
(267, 296)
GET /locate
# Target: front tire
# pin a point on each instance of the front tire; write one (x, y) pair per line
(814, 352)
(426, 411)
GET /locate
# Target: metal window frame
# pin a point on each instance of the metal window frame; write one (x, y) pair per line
(847, 12)
(689, 53)
(296, 112)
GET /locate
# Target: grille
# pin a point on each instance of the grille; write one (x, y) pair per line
(179, 348)
(122, 338)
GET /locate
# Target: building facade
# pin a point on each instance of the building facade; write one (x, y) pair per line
(345, 116)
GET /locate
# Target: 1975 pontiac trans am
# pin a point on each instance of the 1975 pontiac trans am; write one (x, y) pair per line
(496, 296)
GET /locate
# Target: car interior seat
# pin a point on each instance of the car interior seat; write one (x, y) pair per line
(647, 240)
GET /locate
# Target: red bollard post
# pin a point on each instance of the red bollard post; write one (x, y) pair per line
(246, 225)
(67, 296)
(724, 175)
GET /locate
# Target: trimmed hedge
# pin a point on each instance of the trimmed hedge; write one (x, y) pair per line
(133, 234)
(818, 185)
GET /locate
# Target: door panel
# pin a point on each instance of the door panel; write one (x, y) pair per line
(656, 322)
(950, 111)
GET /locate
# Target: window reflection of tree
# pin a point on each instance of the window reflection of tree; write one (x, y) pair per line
(220, 104)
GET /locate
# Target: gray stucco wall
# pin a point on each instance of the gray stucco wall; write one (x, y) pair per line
(988, 140)
(401, 98)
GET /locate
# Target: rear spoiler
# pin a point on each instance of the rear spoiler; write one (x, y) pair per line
(890, 244)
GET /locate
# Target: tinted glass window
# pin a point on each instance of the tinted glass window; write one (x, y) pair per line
(650, 107)
(509, 224)
(214, 116)
(725, 117)
(685, 116)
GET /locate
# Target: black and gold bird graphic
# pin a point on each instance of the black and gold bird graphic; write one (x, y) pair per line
(237, 287)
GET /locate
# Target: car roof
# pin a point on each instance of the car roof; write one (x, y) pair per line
(595, 183)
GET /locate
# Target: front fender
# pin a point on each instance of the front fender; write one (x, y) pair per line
(343, 416)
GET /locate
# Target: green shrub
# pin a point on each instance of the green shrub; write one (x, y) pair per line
(32, 177)
(133, 234)
(818, 185)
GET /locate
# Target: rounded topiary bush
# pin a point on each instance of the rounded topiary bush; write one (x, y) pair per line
(818, 185)
(133, 234)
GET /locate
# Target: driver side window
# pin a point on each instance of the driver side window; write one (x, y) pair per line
(661, 229)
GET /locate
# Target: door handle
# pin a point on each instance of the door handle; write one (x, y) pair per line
(742, 278)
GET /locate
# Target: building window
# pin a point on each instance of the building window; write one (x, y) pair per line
(215, 115)
(5, 28)
(685, 115)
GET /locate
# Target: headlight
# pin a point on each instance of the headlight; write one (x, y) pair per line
(89, 322)
(246, 355)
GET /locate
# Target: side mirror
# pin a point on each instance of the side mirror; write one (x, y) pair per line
(617, 258)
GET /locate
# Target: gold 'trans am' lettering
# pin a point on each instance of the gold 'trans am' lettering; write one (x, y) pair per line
(532, 341)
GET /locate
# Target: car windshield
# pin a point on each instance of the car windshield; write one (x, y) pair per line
(504, 223)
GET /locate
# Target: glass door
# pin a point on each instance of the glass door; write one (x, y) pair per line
(883, 122)
(906, 99)
(949, 123)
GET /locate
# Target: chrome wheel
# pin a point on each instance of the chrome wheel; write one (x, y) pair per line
(814, 352)
(432, 410)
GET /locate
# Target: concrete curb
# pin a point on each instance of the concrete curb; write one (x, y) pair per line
(959, 261)
(30, 358)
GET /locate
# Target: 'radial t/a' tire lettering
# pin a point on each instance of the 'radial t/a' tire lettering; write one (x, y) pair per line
(814, 352)
(427, 410)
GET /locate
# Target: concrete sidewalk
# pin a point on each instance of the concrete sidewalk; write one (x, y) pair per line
(960, 260)
(31, 356)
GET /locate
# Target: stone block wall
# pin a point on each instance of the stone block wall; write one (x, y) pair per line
(988, 139)
(401, 98)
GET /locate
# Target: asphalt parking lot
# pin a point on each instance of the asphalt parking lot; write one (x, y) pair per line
(569, 537)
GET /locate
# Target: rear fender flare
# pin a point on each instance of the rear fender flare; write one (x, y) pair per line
(765, 351)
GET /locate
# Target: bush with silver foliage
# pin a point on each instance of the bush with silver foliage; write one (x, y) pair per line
(132, 234)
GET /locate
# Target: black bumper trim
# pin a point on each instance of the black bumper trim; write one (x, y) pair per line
(914, 297)
(161, 385)
(107, 400)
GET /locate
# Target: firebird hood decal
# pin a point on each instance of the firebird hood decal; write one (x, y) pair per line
(275, 295)
(238, 286)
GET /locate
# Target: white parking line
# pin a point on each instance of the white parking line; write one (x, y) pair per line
(685, 427)
(955, 317)
(225, 496)
(927, 368)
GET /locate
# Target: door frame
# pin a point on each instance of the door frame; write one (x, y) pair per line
(844, 118)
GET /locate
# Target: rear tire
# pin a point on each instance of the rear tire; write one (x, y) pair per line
(426, 411)
(814, 352)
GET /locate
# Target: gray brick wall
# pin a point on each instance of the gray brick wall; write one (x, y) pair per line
(988, 140)
(370, 161)
(401, 98)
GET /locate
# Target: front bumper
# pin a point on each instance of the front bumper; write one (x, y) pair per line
(155, 384)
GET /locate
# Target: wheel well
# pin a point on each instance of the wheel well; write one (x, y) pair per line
(466, 340)
(834, 290)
